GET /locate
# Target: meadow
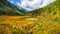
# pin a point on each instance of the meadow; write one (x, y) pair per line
(40, 21)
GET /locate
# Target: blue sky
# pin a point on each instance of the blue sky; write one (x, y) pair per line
(30, 5)
(14, 1)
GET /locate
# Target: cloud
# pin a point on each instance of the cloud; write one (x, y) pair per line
(33, 4)
(30, 5)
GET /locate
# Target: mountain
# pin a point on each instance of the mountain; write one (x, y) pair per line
(53, 7)
(7, 8)
(44, 20)
(30, 5)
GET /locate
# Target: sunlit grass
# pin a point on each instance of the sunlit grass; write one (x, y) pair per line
(44, 23)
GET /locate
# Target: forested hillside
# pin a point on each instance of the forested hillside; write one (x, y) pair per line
(45, 20)
(53, 7)
(6, 8)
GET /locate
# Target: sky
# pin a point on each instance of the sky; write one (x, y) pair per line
(30, 5)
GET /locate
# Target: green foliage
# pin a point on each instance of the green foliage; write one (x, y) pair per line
(48, 21)
(49, 8)
(6, 8)
(9, 9)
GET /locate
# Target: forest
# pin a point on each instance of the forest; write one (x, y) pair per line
(44, 20)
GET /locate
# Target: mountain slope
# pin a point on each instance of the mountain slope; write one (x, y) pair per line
(41, 21)
(53, 7)
(6, 8)
(9, 9)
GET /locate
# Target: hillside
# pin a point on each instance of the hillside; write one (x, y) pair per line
(6, 8)
(40, 21)
(53, 7)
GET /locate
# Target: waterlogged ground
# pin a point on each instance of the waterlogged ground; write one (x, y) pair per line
(47, 23)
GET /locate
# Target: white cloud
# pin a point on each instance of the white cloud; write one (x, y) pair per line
(33, 4)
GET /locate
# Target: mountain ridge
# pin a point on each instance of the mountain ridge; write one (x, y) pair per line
(24, 12)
